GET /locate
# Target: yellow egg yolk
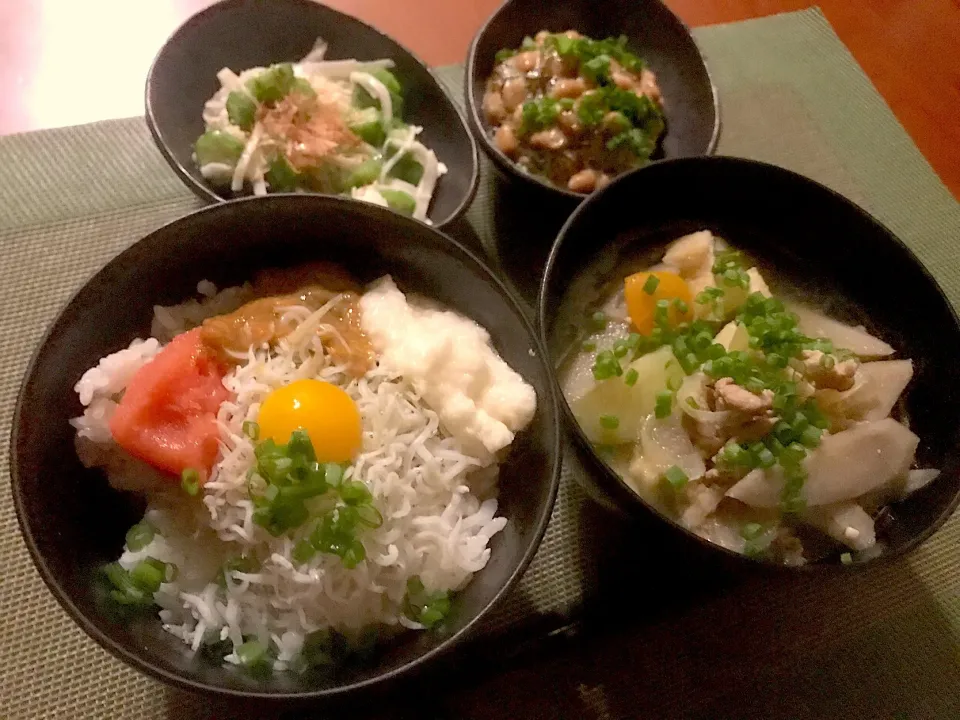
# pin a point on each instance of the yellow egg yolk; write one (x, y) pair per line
(642, 305)
(329, 416)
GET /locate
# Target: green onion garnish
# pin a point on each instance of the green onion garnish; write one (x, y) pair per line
(664, 404)
(148, 576)
(606, 365)
(846, 558)
(124, 590)
(609, 422)
(599, 320)
(751, 531)
(631, 377)
(139, 536)
(676, 477)
(588, 346)
(303, 551)
(810, 437)
(650, 286)
(424, 607)
(190, 481)
(251, 430)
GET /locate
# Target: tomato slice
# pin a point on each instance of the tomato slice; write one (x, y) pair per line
(167, 416)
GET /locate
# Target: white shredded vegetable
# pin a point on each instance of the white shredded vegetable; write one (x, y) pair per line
(334, 82)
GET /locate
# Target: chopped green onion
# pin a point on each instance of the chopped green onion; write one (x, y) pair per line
(676, 477)
(251, 430)
(190, 481)
(353, 492)
(148, 575)
(708, 296)
(139, 536)
(715, 351)
(124, 591)
(660, 313)
(751, 531)
(650, 286)
(588, 346)
(693, 403)
(504, 54)
(333, 474)
(303, 551)
(429, 609)
(599, 320)
(631, 377)
(846, 558)
(606, 366)
(368, 515)
(810, 437)
(664, 404)
(765, 458)
(609, 422)
(597, 68)
(681, 306)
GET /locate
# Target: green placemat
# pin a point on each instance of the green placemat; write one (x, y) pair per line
(878, 644)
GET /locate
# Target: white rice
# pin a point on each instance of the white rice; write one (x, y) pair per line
(437, 501)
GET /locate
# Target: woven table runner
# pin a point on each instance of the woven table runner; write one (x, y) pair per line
(884, 643)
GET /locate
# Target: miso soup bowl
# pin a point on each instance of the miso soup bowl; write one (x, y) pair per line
(828, 248)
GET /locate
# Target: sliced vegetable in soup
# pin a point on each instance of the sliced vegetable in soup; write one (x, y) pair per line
(757, 422)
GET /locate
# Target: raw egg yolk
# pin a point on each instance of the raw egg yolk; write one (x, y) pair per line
(642, 305)
(327, 413)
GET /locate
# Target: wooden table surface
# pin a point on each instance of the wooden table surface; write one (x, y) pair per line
(64, 62)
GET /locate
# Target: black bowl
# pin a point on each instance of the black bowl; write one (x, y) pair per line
(654, 33)
(242, 34)
(823, 246)
(73, 522)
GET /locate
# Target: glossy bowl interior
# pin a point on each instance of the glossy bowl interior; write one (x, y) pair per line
(823, 247)
(242, 34)
(654, 33)
(74, 523)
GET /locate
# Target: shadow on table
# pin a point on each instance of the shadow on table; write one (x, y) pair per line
(513, 230)
(666, 648)
(758, 650)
